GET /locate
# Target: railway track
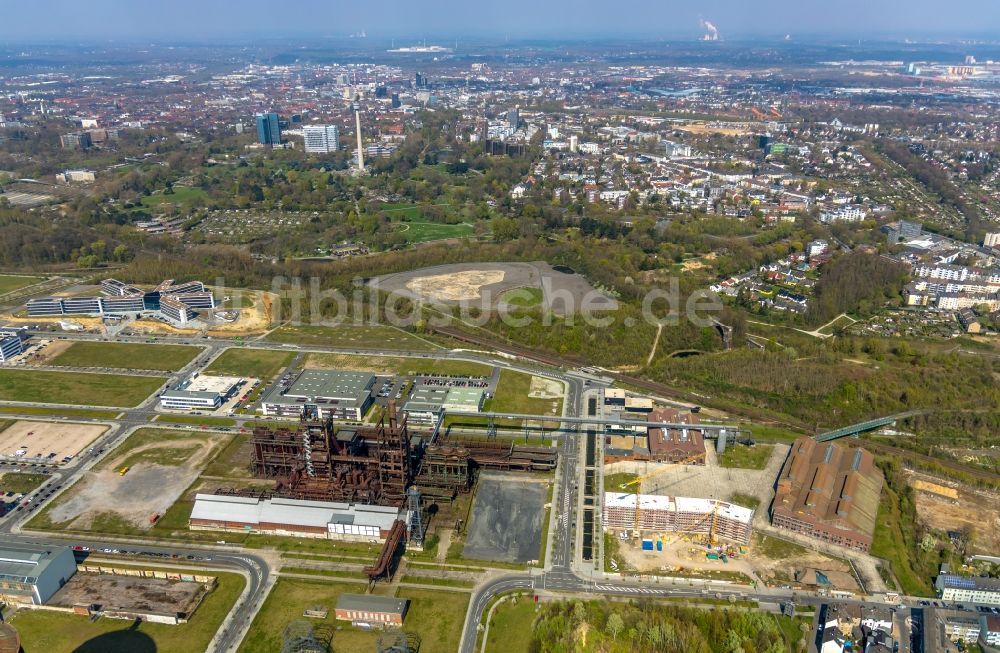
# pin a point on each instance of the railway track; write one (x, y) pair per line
(635, 381)
(975, 472)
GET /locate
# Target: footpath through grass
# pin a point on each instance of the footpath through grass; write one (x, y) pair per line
(80, 388)
(166, 358)
(57, 632)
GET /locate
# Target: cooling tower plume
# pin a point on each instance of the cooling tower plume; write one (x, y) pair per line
(711, 31)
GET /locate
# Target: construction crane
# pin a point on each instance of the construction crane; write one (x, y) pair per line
(713, 515)
(660, 470)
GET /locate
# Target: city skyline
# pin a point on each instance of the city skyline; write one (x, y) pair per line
(729, 19)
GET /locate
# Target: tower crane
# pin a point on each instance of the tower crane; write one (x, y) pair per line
(660, 470)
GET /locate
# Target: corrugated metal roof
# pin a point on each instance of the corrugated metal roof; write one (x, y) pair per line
(371, 603)
(294, 512)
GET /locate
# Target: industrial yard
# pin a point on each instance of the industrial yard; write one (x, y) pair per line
(507, 518)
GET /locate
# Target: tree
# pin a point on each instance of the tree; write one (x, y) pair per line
(614, 625)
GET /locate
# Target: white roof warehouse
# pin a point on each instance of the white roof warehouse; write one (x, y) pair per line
(278, 516)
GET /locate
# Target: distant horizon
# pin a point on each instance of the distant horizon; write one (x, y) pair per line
(732, 20)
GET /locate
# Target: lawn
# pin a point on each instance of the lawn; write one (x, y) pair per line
(745, 500)
(511, 626)
(20, 483)
(195, 419)
(744, 457)
(397, 365)
(83, 389)
(422, 232)
(166, 358)
(345, 336)
(768, 433)
(10, 283)
(63, 412)
(435, 616)
(256, 363)
(523, 297)
(614, 482)
(182, 195)
(56, 632)
(512, 396)
(776, 548)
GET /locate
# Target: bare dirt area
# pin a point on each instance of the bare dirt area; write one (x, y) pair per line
(456, 287)
(155, 595)
(39, 439)
(49, 351)
(949, 506)
(148, 488)
(483, 284)
(542, 388)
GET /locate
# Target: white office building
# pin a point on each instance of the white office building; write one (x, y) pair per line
(321, 139)
(10, 346)
(201, 392)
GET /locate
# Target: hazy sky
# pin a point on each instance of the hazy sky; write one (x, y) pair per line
(196, 19)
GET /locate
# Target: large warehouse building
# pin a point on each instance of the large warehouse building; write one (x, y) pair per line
(322, 394)
(32, 574)
(828, 492)
(678, 515)
(293, 517)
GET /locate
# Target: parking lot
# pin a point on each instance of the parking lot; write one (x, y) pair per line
(48, 443)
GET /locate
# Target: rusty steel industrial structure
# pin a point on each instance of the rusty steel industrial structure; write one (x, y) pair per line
(376, 464)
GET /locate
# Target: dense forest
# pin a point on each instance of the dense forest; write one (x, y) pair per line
(837, 382)
(605, 627)
(859, 282)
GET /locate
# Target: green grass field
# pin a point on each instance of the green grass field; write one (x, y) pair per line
(361, 337)
(512, 396)
(195, 419)
(83, 389)
(744, 457)
(745, 500)
(397, 365)
(62, 412)
(614, 482)
(182, 195)
(424, 232)
(257, 363)
(20, 483)
(56, 632)
(10, 282)
(166, 358)
(523, 297)
(435, 616)
(511, 626)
